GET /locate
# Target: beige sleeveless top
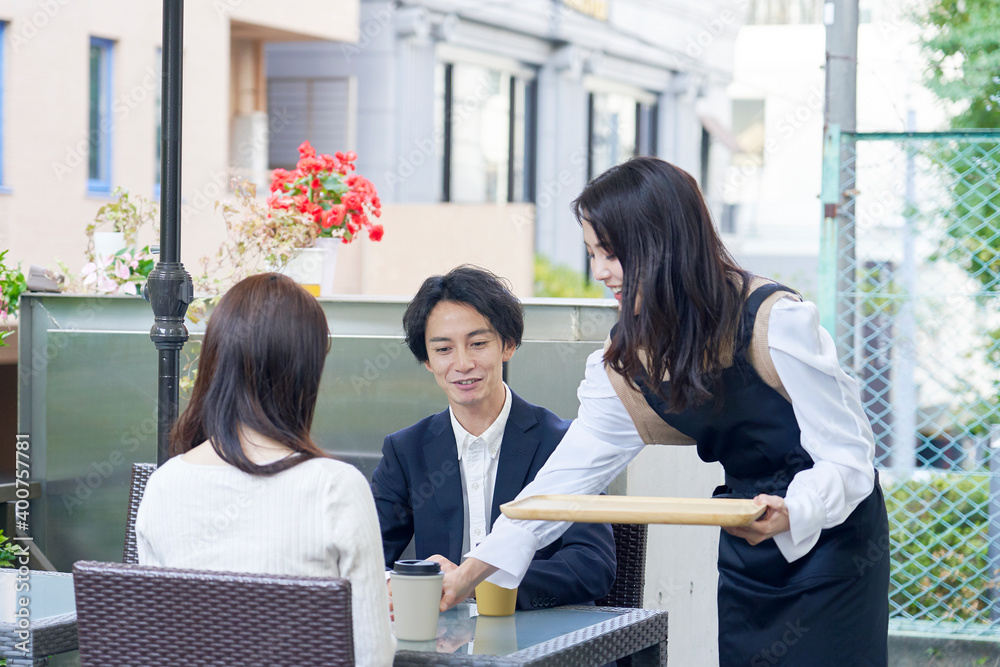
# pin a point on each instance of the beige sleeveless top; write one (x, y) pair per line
(651, 427)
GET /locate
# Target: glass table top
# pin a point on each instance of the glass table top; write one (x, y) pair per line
(49, 594)
(460, 630)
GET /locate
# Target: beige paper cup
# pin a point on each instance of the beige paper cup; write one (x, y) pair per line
(491, 600)
(416, 598)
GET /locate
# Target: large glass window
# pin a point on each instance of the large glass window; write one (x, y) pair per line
(621, 126)
(485, 125)
(100, 127)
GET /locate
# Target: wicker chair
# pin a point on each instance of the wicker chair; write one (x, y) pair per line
(630, 550)
(140, 475)
(626, 591)
(130, 615)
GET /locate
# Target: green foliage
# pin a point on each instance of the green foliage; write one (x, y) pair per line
(562, 281)
(938, 532)
(125, 214)
(12, 283)
(9, 551)
(961, 42)
(880, 293)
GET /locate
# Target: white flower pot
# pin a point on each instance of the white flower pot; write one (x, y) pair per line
(107, 244)
(331, 247)
(306, 268)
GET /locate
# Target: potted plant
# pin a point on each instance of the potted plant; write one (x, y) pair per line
(12, 283)
(125, 215)
(326, 196)
(117, 266)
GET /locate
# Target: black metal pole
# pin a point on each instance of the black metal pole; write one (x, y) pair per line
(168, 287)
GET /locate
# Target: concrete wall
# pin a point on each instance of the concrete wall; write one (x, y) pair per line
(427, 239)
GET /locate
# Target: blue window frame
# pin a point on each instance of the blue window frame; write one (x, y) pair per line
(100, 123)
(3, 63)
(159, 123)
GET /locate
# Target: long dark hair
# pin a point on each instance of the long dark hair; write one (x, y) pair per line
(259, 368)
(690, 290)
(488, 293)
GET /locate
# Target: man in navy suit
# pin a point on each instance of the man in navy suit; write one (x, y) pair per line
(442, 480)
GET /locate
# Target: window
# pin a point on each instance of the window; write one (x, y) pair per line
(748, 126)
(785, 12)
(485, 125)
(300, 109)
(99, 159)
(3, 28)
(622, 125)
(159, 123)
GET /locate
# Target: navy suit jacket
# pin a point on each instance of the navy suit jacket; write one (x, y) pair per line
(418, 493)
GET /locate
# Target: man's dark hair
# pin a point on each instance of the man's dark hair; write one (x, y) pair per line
(487, 293)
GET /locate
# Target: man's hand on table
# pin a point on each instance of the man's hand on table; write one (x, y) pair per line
(460, 582)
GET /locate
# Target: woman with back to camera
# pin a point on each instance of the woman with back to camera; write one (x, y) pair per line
(246, 489)
(742, 370)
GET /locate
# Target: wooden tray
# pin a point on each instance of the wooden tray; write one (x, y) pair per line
(636, 509)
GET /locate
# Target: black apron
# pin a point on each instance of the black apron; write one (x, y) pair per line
(830, 607)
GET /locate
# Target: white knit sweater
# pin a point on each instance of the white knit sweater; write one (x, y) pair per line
(314, 519)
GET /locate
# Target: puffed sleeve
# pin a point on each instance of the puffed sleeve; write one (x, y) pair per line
(598, 445)
(835, 430)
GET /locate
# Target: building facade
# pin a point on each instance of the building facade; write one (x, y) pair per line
(521, 102)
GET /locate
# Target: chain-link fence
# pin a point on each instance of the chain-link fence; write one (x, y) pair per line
(917, 276)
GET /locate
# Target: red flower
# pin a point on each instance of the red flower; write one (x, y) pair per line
(306, 150)
(340, 210)
(337, 213)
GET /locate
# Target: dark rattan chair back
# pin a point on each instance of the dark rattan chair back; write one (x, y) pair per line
(140, 475)
(130, 615)
(630, 550)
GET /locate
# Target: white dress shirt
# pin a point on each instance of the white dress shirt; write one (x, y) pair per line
(603, 439)
(478, 457)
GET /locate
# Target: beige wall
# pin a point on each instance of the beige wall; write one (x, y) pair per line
(427, 239)
(45, 110)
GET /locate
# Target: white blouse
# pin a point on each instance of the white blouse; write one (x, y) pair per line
(603, 439)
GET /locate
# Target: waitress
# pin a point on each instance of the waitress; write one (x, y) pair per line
(704, 353)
